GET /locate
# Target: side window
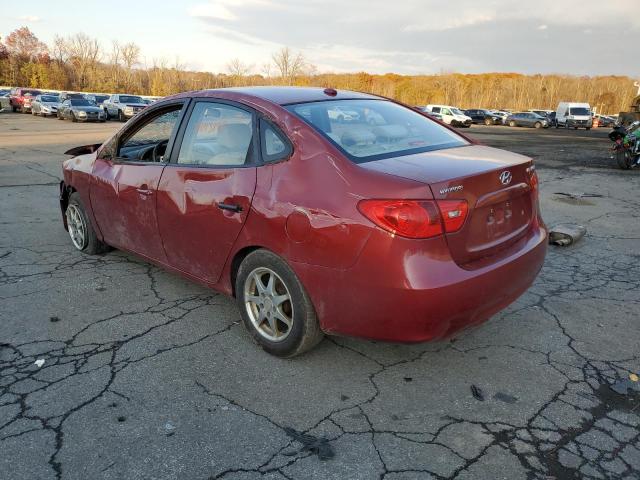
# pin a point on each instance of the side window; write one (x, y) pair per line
(217, 134)
(435, 110)
(153, 134)
(273, 143)
(445, 111)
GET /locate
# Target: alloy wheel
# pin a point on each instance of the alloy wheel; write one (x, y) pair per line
(269, 304)
(76, 226)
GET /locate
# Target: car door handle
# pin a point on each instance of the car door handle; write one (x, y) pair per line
(229, 206)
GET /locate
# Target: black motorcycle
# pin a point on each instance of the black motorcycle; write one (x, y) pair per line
(626, 145)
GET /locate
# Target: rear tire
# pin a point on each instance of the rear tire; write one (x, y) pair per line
(487, 121)
(263, 280)
(82, 234)
(512, 123)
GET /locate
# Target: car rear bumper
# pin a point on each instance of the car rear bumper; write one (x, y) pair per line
(404, 290)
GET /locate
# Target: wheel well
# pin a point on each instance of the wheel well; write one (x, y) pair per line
(235, 264)
(65, 193)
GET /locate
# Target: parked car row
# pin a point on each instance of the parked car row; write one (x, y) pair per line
(568, 115)
(73, 106)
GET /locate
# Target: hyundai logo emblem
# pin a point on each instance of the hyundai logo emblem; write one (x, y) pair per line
(505, 177)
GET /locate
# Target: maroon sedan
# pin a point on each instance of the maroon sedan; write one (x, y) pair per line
(388, 225)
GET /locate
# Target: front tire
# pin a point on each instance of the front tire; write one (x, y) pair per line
(488, 121)
(81, 232)
(512, 123)
(537, 125)
(275, 307)
(73, 117)
(121, 116)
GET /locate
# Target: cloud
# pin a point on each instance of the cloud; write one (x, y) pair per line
(453, 24)
(222, 9)
(410, 36)
(29, 18)
(212, 10)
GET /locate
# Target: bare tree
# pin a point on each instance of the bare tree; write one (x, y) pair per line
(237, 68)
(130, 55)
(83, 54)
(289, 64)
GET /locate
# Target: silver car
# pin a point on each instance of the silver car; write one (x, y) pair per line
(123, 107)
(45, 105)
(5, 104)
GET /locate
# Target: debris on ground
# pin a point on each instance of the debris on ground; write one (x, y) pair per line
(503, 397)
(477, 393)
(578, 195)
(633, 377)
(566, 234)
(318, 446)
(169, 429)
(54, 319)
(39, 362)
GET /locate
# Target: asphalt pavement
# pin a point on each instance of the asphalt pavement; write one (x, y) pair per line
(111, 368)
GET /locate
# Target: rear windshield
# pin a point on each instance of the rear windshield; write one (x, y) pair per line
(130, 99)
(368, 130)
(80, 102)
(579, 111)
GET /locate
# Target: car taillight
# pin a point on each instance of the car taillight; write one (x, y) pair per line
(454, 213)
(406, 218)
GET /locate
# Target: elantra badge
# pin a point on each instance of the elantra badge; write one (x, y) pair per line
(505, 177)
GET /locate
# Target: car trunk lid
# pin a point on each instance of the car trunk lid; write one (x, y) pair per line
(495, 183)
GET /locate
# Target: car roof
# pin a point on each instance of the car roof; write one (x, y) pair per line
(285, 95)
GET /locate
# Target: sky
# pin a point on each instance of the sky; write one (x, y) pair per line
(579, 37)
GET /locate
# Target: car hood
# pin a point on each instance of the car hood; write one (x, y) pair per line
(86, 109)
(440, 165)
(50, 104)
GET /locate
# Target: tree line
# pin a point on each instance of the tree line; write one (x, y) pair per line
(80, 63)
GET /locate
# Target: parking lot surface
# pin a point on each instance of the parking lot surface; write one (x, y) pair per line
(111, 368)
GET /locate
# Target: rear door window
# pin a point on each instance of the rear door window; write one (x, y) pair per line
(217, 135)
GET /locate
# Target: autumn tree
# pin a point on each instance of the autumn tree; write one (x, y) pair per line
(23, 44)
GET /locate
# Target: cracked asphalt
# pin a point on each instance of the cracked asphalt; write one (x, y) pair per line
(148, 376)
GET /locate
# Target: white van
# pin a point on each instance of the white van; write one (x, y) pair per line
(450, 115)
(576, 115)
